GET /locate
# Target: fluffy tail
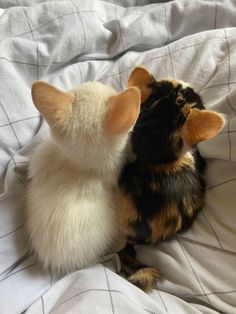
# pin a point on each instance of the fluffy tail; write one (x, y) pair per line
(143, 276)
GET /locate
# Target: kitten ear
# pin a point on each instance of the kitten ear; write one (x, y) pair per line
(141, 78)
(123, 111)
(201, 125)
(50, 101)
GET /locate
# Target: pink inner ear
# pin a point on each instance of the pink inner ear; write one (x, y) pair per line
(201, 125)
(51, 101)
(123, 111)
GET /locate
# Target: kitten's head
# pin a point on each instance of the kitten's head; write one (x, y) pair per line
(90, 123)
(172, 119)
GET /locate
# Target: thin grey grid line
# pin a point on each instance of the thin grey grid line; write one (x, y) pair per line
(228, 48)
(209, 293)
(33, 64)
(109, 289)
(216, 7)
(143, 308)
(229, 104)
(56, 18)
(46, 290)
(51, 277)
(21, 62)
(18, 271)
(219, 184)
(16, 162)
(198, 280)
(164, 55)
(22, 182)
(171, 63)
(119, 28)
(122, 42)
(13, 266)
(37, 48)
(223, 133)
(15, 167)
(119, 75)
(105, 262)
(18, 178)
(79, 294)
(230, 147)
(21, 120)
(45, 293)
(80, 72)
(167, 28)
(6, 234)
(213, 230)
(159, 293)
(218, 85)
(100, 290)
(131, 67)
(197, 44)
(118, 63)
(82, 24)
(42, 302)
(20, 146)
(208, 246)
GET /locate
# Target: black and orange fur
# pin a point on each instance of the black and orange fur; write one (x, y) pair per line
(162, 189)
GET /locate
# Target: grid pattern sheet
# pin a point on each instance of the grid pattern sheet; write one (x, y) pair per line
(68, 42)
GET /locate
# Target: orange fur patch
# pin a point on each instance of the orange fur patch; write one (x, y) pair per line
(178, 165)
(127, 212)
(189, 206)
(174, 82)
(160, 225)
(186, 108)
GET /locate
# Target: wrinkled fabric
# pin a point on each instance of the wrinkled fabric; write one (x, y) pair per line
(70, 42)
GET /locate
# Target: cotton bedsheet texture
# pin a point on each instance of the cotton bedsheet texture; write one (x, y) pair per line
(70, 42)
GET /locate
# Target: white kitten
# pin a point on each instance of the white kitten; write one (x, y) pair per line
(71, 214)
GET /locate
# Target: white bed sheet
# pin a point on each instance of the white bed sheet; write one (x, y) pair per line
(69, 42)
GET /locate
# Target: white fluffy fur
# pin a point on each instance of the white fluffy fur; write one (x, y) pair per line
(71, 217)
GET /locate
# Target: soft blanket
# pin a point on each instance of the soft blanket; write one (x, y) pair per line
(72, 41)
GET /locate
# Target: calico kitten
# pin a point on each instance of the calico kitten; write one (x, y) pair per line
(162, 189)
(71, 213)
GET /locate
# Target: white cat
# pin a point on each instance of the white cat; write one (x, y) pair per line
(71, 214)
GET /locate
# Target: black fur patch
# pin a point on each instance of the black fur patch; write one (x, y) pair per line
(154, 136)
(142, 231)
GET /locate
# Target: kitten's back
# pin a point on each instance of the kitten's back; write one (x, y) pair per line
(71, 217)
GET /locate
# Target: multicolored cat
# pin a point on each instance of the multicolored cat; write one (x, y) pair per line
(161, 189)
